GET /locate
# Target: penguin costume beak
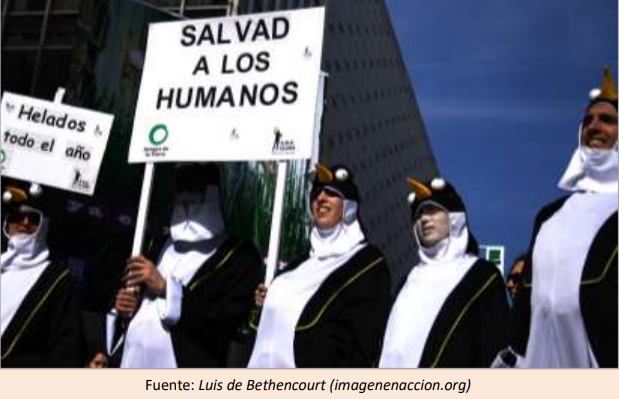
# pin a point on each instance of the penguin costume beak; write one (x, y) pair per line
(420, 190)
(337, 178)
(323, 174)
(14, 195)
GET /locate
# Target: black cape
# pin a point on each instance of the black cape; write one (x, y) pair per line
(45, 330)
(215, 302)
(598, 291)
(471, 326)
(343, 322)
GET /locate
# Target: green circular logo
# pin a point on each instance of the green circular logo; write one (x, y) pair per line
(158, 134)
(2, 156)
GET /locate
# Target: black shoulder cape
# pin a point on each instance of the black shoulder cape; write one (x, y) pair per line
(471, 326)
(45, 330)
(343, 323)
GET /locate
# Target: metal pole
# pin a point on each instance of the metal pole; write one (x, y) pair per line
(140, 225)
(276, 221)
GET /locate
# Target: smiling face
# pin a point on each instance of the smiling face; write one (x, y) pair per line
(432, 225)
(327, 209)
(23, 221)
(599, 127)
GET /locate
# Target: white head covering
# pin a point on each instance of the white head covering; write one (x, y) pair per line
(451, 247)
(421, 298)
(25, 251)
(591, 170)
(340, 239)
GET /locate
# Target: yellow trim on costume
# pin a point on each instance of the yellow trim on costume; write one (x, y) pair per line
(455, 325)
(220, 264)
(592, 280)
(31, 316)
(601, 277)
(332, 298)
(252, 319)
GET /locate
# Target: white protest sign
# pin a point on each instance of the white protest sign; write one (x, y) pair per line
(51, 143)
(230, 89)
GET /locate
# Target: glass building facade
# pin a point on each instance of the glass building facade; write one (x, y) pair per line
(39, 37)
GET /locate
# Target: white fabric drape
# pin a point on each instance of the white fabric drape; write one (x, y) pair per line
(558, 337)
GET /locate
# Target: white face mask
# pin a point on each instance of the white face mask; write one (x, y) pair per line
(197, 217)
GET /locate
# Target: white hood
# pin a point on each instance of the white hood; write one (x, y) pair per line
(25, 251)
(591, 170)
(450, 248)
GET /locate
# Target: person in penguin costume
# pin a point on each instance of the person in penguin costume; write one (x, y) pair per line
(567, 314)
(185, 311)
(40, 325)
(328, 308)
(452, 310)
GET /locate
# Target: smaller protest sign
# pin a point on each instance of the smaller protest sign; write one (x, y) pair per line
(51, 143)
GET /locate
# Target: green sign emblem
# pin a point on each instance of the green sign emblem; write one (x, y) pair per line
(158, 134)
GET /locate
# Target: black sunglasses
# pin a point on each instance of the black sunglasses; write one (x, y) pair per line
(327, 190)
(18, 216)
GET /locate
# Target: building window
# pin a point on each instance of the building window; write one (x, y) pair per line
(32, 31)
(22, 30)
(25, 5)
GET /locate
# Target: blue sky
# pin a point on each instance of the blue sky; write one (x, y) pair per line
(502, 85)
